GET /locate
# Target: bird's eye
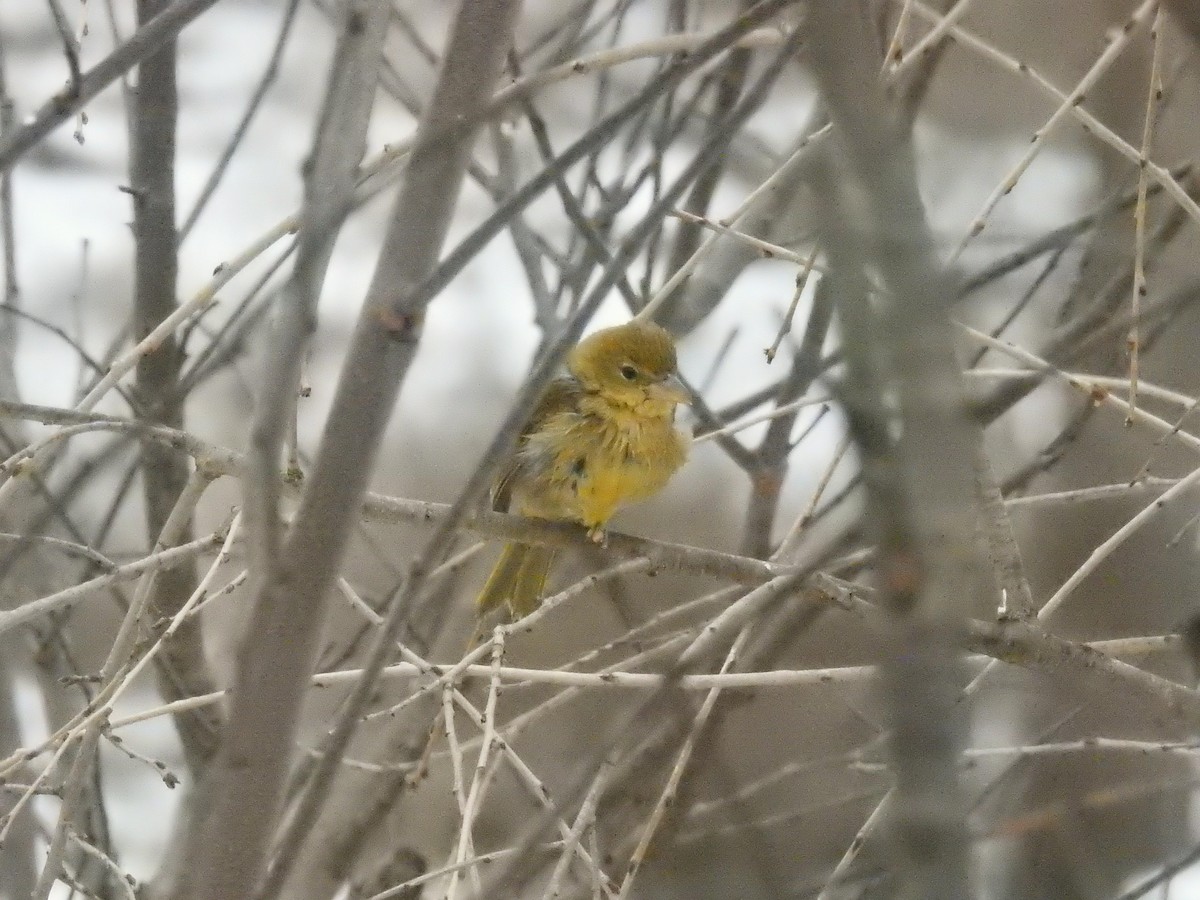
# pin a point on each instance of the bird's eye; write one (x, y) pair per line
(629, 373)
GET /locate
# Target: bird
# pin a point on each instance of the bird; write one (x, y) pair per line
(601, 435)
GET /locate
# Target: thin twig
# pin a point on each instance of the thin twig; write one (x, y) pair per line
(251, 767)
(1016, 597)
(243, 126)
(670, 790)
(785, 327)
(69, 43)
(338, 145)
(61, 107)
(388, 338)
(1154, 95)
(1104, 61)
(1094, 126)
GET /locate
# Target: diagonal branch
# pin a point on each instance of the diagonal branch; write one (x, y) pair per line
(328, 187)
(59, 108)
(274, 667)
(419, 572)
(921, 482)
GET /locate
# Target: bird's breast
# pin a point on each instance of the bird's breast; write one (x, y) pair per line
(592, 464)
(631, 458)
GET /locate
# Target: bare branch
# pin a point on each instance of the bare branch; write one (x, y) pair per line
(61, 107)
(1015, 593)
(407, 319)
(243, 125)
(230, 853)
(165, 470)
(921, 484)
(328, 187)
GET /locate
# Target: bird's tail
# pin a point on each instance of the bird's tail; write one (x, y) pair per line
(518, 579)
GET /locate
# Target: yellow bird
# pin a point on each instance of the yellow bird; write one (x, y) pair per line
(601, 436)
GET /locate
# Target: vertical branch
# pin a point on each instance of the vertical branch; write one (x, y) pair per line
(771, 458)
(274, 666)
(79, 777)
(145, 42)
(17, 851)
(921, 483)
(329, 175)
(70, 44)
(243, 126)
(776, 210)
(164, 470)
(730, 80)
(414, 590)
(1016, 597)
(1154, 95)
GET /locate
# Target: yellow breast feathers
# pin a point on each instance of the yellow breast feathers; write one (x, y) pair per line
(600, 437)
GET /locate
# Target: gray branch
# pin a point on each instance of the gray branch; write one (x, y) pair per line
(165, 470)
(62, 106)
(329, 178)
(276, 661)
(921, 483)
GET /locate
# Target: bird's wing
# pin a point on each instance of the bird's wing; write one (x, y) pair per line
(561, 395)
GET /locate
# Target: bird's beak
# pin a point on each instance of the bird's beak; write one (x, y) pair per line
(670, 390)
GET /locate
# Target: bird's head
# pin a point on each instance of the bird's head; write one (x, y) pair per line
(631, 365)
